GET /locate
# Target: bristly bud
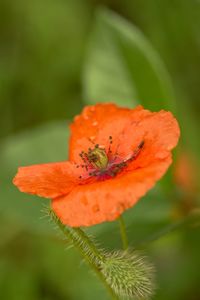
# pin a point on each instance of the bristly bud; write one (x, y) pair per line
(129, 275)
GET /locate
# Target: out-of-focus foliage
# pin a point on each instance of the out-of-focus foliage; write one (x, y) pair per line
(56, 56)
(42, 46)
(122, 65)
(29, 147)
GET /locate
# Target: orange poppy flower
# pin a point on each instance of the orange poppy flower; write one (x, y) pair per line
(186, 173)
(116, 155)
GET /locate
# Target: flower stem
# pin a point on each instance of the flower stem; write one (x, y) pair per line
(123, 233)
(87, 250)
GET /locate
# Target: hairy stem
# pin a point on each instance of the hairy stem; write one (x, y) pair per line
(123, 233)
(87, 250)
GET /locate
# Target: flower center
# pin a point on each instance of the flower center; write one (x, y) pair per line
(98, 157)
(105, 164)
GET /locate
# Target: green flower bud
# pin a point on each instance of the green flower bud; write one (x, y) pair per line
(129, 275)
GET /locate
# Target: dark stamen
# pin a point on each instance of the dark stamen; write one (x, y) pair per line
(102, 164)
(140, 146)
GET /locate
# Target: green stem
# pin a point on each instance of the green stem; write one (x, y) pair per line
(90, 244)
(87, 250)
(123, 233)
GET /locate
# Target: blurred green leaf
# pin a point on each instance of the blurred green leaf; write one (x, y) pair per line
(47, 143)
(122, 66)
(41, 45)
(37, 267)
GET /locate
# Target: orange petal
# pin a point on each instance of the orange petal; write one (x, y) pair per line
(160, 133)
(47, 180)
(95, 124)
(128, 127)
(101, 201)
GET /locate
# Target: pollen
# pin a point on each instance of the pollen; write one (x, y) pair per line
(98, 158)
(95, 159)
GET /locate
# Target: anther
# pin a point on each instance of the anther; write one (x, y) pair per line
(140, 146)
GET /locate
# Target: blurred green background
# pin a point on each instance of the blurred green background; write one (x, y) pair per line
(56, 57)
